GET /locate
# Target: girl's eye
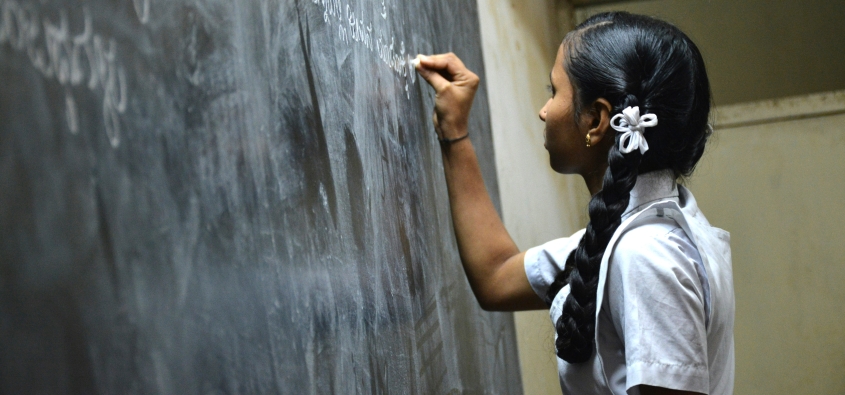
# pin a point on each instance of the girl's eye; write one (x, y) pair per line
(551, 89)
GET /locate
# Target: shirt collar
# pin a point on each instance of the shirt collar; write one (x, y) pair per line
(651, 187)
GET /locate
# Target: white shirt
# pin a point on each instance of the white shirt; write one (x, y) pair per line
(665, 297)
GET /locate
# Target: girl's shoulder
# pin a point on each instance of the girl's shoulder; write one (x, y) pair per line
(655, 244)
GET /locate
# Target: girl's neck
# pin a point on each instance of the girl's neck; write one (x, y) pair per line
(595, 179)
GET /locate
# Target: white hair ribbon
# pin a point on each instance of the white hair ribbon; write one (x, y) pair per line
(632, 126)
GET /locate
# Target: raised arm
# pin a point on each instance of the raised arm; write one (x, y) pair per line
(491, 260)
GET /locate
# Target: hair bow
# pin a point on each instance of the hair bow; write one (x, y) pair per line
(632, 125)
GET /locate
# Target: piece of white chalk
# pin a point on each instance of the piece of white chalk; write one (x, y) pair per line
(415, 62)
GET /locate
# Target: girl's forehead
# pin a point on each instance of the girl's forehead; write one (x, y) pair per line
(557, 73)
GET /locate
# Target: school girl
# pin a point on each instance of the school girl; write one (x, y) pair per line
(642, 299)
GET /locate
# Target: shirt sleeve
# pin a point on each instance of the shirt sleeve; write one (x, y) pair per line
(656, 300)
(544, 262)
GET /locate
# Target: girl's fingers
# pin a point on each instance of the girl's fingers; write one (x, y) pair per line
(447, 65)
(445, 62)
(444, 70)
(435, 79)
(455, 87)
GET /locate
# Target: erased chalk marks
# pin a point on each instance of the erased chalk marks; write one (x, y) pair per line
(320, 169)
(185, 251)
(142, 9)
(71, 113)
(356, 182)
(85, 59)
(429, 342)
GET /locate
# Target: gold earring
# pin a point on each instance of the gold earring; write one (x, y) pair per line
(588, 140)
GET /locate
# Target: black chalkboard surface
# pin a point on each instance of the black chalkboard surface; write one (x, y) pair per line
(235, 197)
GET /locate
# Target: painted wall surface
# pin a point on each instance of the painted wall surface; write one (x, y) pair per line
(520, 40)
(777, 187)
(758, 49)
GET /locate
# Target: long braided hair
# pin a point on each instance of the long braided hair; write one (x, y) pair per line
(629, 60)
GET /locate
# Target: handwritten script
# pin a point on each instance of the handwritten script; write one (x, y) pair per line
(373, 36)
(83, 58)
(79, 57)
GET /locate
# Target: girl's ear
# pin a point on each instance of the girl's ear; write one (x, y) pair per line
(598, 121)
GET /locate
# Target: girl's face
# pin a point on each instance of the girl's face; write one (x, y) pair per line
(564, 136)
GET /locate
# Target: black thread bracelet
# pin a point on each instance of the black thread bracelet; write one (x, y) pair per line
(446, 142)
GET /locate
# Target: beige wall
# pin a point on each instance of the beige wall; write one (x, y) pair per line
(758, 49)
(779, 188)
(520, 41)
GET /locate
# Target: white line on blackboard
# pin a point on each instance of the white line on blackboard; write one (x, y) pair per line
(142, 9)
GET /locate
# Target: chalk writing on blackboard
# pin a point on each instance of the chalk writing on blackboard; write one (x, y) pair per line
(353, 27)
(84, 59)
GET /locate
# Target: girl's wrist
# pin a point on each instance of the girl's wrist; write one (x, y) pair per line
(456, 149)
(445, 142)
(450, 131)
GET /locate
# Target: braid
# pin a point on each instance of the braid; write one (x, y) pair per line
(576, 325)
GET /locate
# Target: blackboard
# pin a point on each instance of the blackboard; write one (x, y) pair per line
(235, 197)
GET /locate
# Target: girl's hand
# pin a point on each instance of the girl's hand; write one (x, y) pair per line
(454, 86)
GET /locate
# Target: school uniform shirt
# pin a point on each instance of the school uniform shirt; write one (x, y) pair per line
(665, 298)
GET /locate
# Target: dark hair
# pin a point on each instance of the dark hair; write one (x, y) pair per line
(629, 60)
